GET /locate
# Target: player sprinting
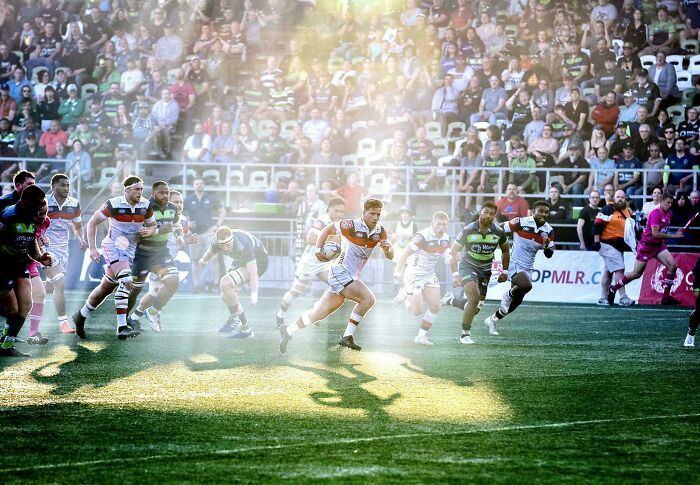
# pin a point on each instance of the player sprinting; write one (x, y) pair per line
(38, 288)
(653, 245)
(64, 213)
(359, 238)
(130, 217)
(530, 234)
(18, 247)
(694, 319)
(477, 243)
(427, 247)
(309, 266)
(152, 255)
(249, 263)
(175, 244)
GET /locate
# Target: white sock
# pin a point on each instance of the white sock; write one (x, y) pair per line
(422, 332)
(350, 329)
(280, 314)
(87, 310)
(62, 318)
(121, 319)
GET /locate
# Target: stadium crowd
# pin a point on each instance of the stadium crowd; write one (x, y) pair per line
(492, 90)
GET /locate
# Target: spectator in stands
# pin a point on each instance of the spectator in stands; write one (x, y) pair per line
(222, 144)
(16, 83)
(559, 209)
(80, 63)
(48, 108)
(511, 205)
(545, 148)
(662, 34)
(654, 202)
(166, 113)
(663, 75)
(48, 50)
(606, 113)
(78, 164)
(647, 93)
(609, 79)
(627, 176)
(469, 175)
(586, 218)
(668, 143)
(326, 155)
(533, 130)
(492, 105)
(689, 129)
(445, 102)
(643, 142)
(620, 139)
(681, 210)
(570, 182)
(197, 146)
(316, 128)
(22, 132)
(72, 108)
(8, 106)
(522, 172)
(629, 107)
(653, 166)
(272, 147)
(423, 171)
(169, 48)
(54, 135)
(641, 118)
(470, 98)
(543, 98)
(352, 192)
(519, 107)
(245, 147)
(602, 170)
(491, 179)
(679, 169)
(8, 62)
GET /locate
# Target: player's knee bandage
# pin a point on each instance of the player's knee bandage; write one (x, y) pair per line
(121, 297)
(170, 273)
(111, 279)
(429, 316)
(137, 285)
(479, 306)
(124, 277)
(237, 277)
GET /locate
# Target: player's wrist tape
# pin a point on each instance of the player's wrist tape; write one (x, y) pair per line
(504, 271)
(456, 273)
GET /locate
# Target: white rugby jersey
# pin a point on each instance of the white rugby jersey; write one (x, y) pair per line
(428, 250)
(125, 220)
(62, 219)
(357, 243)
(318, 223)
(527, 240)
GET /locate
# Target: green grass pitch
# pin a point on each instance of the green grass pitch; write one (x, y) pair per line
(566, 393)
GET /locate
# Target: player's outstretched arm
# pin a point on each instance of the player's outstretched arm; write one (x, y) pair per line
(454, 254)
(78, 232)
(252, 267)
(402, 260)
(505, 261)
(97, 218)
(388, 248)
(327, 231)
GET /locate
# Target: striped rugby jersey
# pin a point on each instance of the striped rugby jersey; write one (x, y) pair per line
(358, 243)
(126, 220)
(527, 240)
(62, 219)
(428, 250)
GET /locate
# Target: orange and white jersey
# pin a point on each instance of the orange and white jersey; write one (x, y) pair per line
(358, 243)
(126, 220)
(428, 250)
(62, 219)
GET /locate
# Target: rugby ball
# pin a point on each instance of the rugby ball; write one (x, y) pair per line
(331, 250)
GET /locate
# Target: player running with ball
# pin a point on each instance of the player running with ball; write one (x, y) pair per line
(477, 242)
(360, 237)
(427, 247)
(530, 234)
(653, 245)
(309, 266)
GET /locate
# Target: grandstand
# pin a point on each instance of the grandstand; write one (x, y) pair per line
(429, 105)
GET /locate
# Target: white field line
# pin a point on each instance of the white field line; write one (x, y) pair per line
(342, 441)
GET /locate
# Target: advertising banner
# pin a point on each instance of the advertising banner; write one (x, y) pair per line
(653, 281)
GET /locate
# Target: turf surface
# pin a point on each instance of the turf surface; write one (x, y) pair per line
(566, 393)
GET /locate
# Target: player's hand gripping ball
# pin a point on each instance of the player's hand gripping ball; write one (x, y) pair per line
(330, 250)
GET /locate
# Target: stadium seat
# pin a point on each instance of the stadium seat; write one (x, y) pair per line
(586, 51)
(171, 75)
(441, 146)
(481, 127)
(617, 47)
(236, 177)
(288, 129)
(191, 174)
(349, 159)
(358, 125)
(376, 183)
(677, 113)
(433, 130)
(688, 96)
(511, 30)
(212, 176)
(676, 61)
(280, 175)
(690, 46)
(694, 65)
(585, 92)
(366, 147)
(107, 176)
(684, 80)
(385, 146)
(647, 61)
(263, 125)
(258, 180)
(87, 90)
(458, 126)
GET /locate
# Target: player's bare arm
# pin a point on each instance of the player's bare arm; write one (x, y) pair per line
(97, 218)
(505, 260)
(327, 231)
(252, 267)
(454, 255)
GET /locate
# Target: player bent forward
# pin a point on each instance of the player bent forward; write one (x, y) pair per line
(477, 242)
(249, 262)
(360, 237)
(653, 245)
(309, 266)
(530, 234)
(427, 247)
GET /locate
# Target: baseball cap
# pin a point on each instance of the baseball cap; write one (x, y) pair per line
(627, 44)
(628, 94)
(72, 87)
(627, 145)
(4, 87)
(622, 123)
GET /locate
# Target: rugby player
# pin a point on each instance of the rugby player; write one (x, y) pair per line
(64, 212)
(426, 248)
(477, 242)
(21, 180)
(38, 287)
(152, 255)
(130, 217)
(18, 247)
(175, 244)
(309, 266)
(694, 319)
(360, 236)
(249, 263)
(653, 245)
(530, 234)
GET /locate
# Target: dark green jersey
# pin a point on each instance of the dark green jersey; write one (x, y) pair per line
(164, 215)
(477, 248)
(17, 236)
